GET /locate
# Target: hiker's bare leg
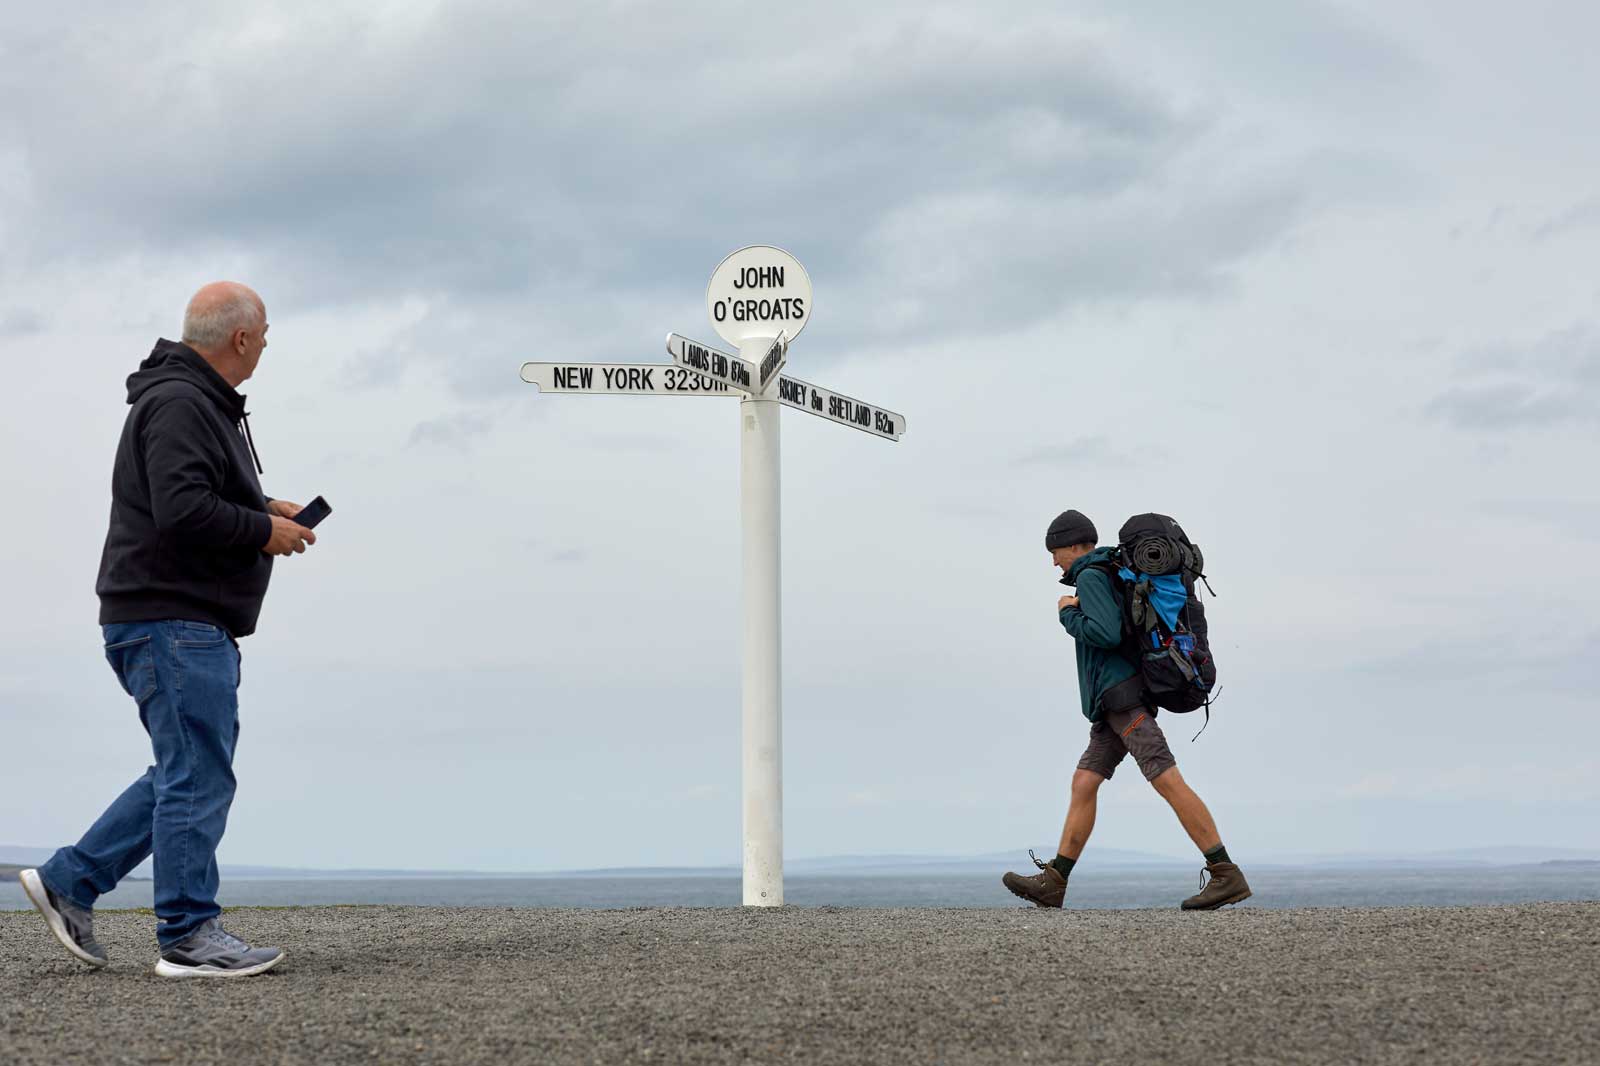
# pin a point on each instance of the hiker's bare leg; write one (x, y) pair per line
(1080, 813)
(1190, 809)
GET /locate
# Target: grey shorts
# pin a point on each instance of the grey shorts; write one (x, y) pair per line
(1119, 732)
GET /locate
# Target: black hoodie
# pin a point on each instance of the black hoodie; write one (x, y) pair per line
(188, 518)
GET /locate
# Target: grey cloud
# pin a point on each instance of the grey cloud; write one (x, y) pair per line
(637, 442)
(1012, 260)
(1569, 663)
(20, 322)
(1076, 453)
(1312, 51)
(923, 154)
(1504, 405)
(482, 177)
(1552, 381)
(451, 431)
(959, 508)
(1580, 216)
(1576, 518)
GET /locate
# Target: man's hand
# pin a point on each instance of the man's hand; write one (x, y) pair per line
(1064, 602)
(287, 537)
(283, 508)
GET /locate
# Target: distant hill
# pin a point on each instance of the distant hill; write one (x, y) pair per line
(1016, 858)
(13, 858)
(823, 866)
(27, 858)
(1510, 855)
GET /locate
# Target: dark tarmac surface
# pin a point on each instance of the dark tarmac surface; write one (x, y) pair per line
(398, 985)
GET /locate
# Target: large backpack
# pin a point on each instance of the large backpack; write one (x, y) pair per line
(1164, 630)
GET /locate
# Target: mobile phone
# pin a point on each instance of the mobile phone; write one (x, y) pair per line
(312, 513)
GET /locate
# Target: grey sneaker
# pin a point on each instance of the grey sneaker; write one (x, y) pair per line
(212, 951)
(71, 924)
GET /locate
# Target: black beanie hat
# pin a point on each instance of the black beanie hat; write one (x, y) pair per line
(1070, 527)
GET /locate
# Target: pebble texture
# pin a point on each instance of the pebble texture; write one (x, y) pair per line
(401, 985)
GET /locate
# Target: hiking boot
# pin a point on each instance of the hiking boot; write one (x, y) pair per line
(1227, 886)
(1047, 888)
(212, 951)
(71, 924)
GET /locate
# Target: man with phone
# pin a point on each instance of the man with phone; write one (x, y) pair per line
(187, 559)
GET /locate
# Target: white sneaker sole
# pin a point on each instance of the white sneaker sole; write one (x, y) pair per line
(172, 970)
(34, 887)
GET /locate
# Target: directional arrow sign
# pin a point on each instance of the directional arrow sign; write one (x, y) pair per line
(621, 379)
(804, 396)
(720, 367)
(773, 360)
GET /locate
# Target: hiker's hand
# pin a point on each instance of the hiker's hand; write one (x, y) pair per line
(288, 537)
(283, 508)
(1064, 602)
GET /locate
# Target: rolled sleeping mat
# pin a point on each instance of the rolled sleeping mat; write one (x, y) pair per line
(1157, 555)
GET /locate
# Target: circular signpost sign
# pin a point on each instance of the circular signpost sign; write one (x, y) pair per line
(759, 291)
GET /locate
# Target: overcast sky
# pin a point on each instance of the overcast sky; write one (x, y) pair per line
(1316, 278)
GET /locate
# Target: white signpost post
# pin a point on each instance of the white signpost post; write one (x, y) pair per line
(759, 300)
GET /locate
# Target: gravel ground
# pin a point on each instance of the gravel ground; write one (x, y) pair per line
(399, 985)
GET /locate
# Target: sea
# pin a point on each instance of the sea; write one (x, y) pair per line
(1159, 887)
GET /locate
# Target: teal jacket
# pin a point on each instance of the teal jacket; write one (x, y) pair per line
(1096, 627)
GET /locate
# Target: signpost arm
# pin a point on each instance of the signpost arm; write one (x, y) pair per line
(759, 484)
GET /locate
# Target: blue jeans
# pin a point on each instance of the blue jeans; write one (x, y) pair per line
(185, 678)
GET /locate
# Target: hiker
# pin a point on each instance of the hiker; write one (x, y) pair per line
(1117, 697)
(185, 568)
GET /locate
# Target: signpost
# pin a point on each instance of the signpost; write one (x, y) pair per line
(759, 300)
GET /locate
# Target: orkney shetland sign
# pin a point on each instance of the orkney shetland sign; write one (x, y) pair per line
(803, 396)
(759, 291)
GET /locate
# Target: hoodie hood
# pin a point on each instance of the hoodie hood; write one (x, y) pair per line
(1099, 555)
(175, 361)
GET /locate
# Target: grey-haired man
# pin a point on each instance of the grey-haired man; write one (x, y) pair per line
(185, 569)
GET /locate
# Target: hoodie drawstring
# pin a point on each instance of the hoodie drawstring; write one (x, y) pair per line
(250, 442)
